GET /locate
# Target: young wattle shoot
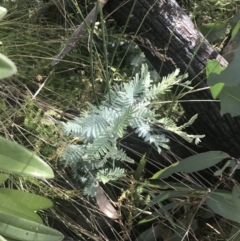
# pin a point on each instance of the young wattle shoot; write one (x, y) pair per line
(97, 157)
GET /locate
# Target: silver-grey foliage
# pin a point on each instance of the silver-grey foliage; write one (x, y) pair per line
(97, 156)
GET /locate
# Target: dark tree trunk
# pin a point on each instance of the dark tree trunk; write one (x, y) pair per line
(169, 40)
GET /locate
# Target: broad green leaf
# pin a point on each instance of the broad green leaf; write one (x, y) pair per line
(235, 42)
(12, 206)
(235, 27)
(235, 19)
(224, 207)
(235, 30)
(205, 213)
(213, 66)
(216, 90)
(2, 238)
(191, 189)
(32, 201)
(7, 67)
(213, 31)
(230, 100)
(235, 232)
(229, 76)
(233, 164)
(150, 234)
(138, 173)
(179, 232)
(162, 211)
(16, 159)
(225, 194)
(166, 195)
(3, 177)
(156, 183)
(11, 239)
(236, 194)
(192, 164)
(3, 12)
(220, 171)
(21, 229)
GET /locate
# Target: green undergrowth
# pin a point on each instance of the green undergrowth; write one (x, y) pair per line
(205, 11)
(215, 19)
(35, 100)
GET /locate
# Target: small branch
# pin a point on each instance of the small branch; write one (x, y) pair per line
(79, 32)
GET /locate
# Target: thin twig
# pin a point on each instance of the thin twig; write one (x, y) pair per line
(41, 86)
(209, 192)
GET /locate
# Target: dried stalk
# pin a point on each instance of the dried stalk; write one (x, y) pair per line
(79, 32)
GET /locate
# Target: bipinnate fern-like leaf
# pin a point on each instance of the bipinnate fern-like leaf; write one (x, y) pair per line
(93, 126)
(73, 154)
(179, 130)
(100, 127)
(90, 188)
(100, 146)
(119, 155)
(107, 175)
(126, 94)
(73, 127)
(107, 139)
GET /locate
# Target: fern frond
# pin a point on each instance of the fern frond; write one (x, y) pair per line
(171, 126)
(164, 86)
(100, 127)
(90, 187)
(93, 126)
(120, 155)
(100, 146)
(72, 154)
(107, 175)
(157, 140)
(189, 123)
(109, 114)
(118, 102)
(79, 173)
(120, 123)
(73, 127)
(143, 111)
(138, 86)
(166, 122)
(143, 130)
(145, 77)
(107, 139)
(127, 94)
(156, 90)
(114, 154)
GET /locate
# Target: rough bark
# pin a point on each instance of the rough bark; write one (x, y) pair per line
(169, 40)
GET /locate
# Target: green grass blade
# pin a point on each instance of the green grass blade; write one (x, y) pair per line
(138, 173)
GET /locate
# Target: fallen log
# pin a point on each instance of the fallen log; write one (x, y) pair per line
(169, 40)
